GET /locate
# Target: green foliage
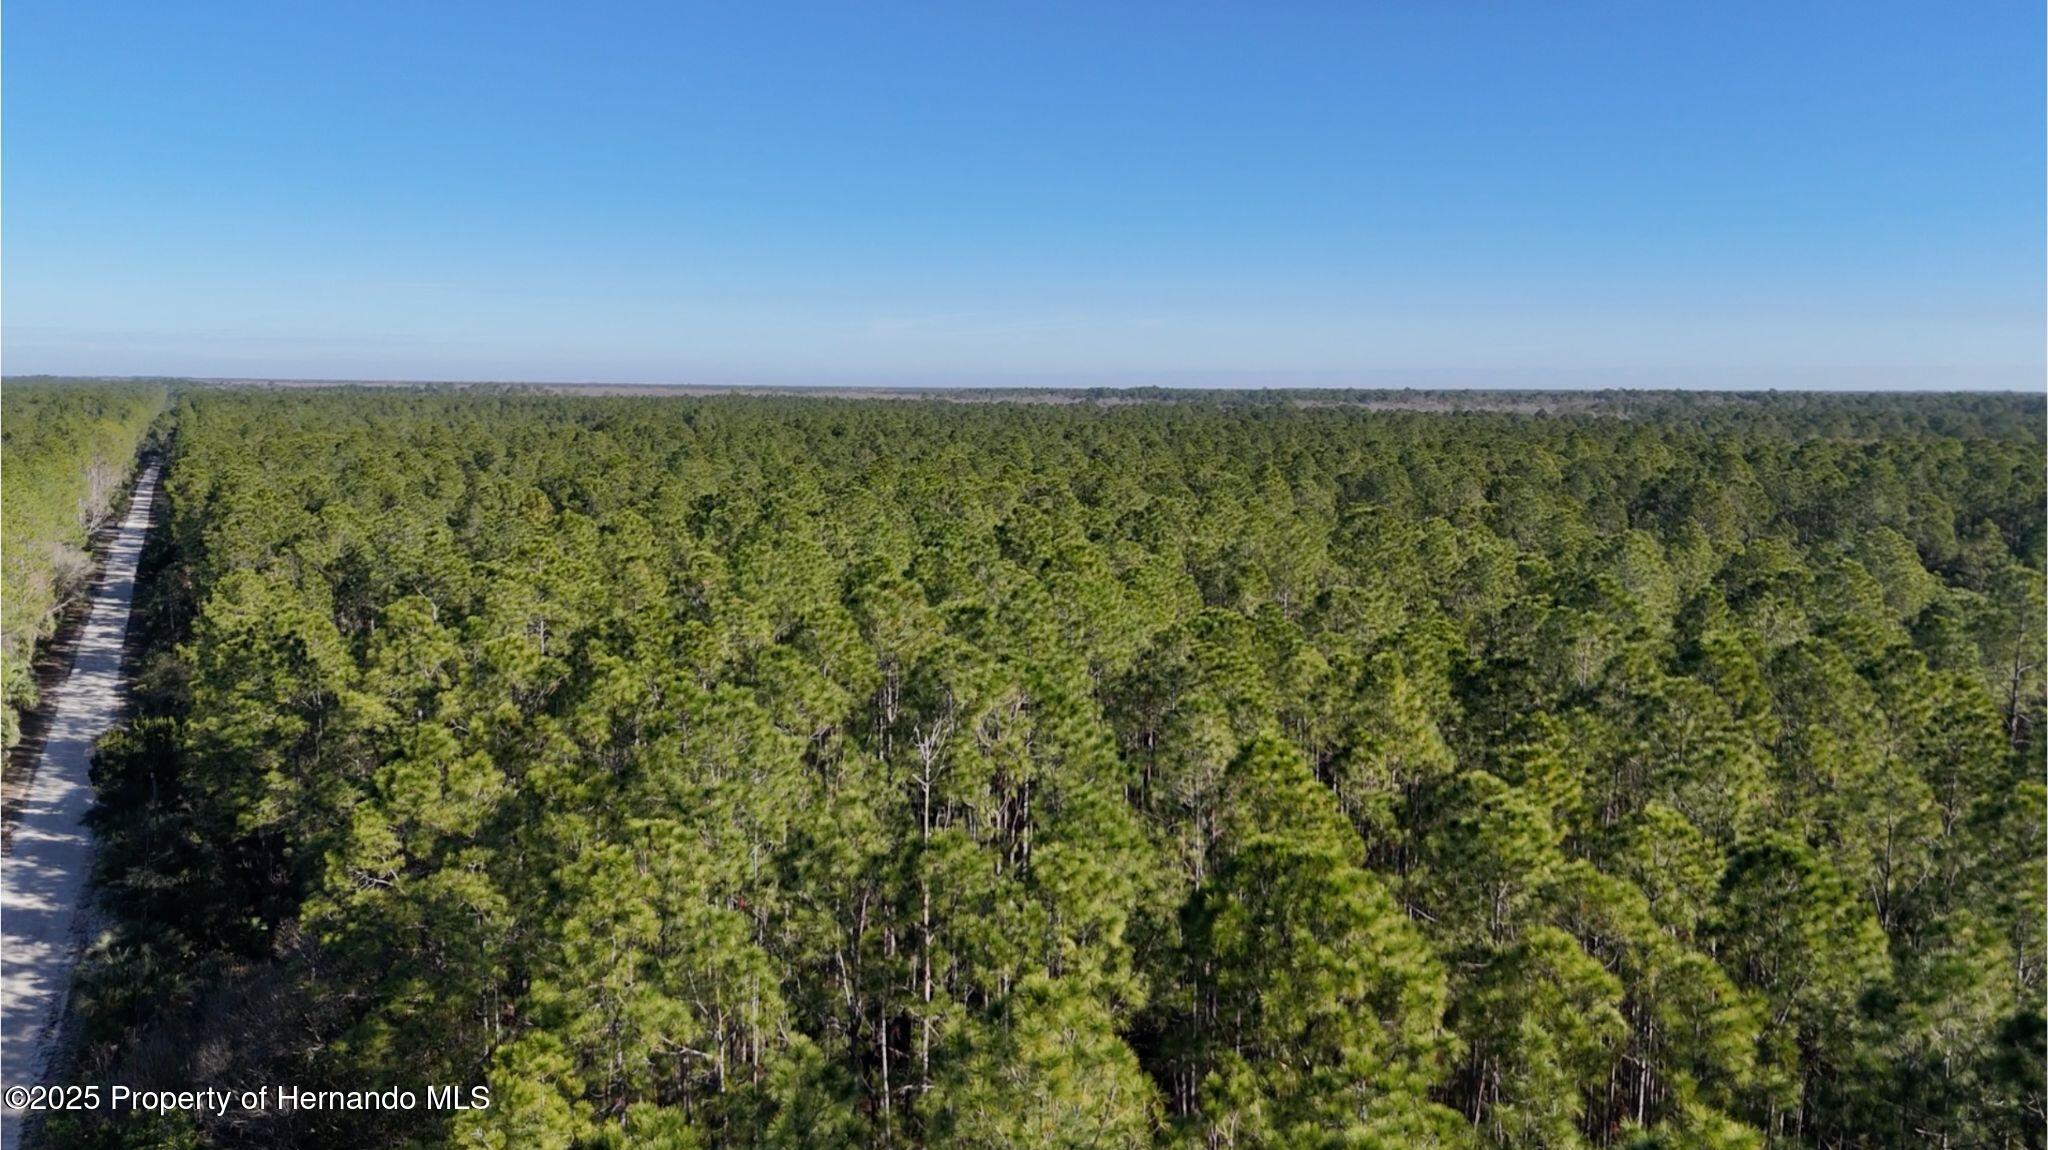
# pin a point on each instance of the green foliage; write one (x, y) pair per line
(1223, 771)
(1316, 1004)
(1052, 1072)
(66, 453)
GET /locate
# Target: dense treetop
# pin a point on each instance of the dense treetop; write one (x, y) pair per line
(793, 771)
(66, 451)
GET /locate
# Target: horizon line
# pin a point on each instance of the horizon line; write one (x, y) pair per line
(1891, 380)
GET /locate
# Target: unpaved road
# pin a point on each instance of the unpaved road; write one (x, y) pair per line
(42, 879)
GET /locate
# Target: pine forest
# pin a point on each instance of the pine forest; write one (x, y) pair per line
(1220, 770)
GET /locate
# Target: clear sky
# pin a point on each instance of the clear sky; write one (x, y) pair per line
(1782, 193)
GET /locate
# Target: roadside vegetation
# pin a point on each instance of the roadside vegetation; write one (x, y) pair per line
(800, 772)
(67, 452)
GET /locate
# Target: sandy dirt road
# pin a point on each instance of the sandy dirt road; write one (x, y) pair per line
(43, 877)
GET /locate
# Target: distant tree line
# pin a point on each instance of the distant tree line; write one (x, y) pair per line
(793, 772)
(67, 450)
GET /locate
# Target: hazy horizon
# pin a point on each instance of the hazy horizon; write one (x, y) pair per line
(1900, 380)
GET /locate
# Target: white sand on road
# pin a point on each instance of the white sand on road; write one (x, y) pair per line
(42, 880)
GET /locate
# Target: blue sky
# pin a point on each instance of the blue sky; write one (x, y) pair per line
(1748, 194)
